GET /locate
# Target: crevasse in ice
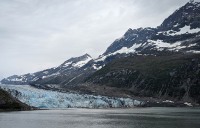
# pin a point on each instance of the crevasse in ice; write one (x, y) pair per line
(52, 99)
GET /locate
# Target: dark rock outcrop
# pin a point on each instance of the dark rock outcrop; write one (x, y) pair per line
(9, 103)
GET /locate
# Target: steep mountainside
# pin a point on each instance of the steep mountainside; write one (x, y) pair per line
(7, 102)
(174, 76)
(179, 32)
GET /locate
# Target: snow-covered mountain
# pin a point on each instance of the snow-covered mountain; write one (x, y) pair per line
(76, 62)
(180, 32)
(65, 73)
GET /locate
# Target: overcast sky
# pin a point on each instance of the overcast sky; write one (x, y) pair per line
(38, 34)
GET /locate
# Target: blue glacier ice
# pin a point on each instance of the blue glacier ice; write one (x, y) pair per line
(52, 99)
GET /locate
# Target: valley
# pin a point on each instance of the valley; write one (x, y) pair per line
(145, 67)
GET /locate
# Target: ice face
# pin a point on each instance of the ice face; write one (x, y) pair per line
(52, 99)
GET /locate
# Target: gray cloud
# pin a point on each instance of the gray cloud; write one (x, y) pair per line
(38, 34)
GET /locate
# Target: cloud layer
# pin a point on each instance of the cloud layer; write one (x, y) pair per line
(38, 34)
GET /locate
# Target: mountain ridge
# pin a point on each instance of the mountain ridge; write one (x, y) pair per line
(180, 32)
(176, 40)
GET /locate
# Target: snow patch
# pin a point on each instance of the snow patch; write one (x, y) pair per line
(168, 101)
(54, 74)
(18, 79)
(122, 50)
(188, 104)
(82, 63)
(97, 68)
(67, 64)
(32, 74)
(35, 79)
(191, 45)
(128, 50)
(160, 45)
(193, 51)
(184, 30)
(101, 58)
(176, 25)
(46, 72)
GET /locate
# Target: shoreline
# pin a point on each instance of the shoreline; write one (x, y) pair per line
(122, 108)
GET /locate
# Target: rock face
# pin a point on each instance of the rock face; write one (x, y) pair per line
(174, 76)
(186, 15)
(178, 32)
(7, 102)
(133, 37)
(162, 62)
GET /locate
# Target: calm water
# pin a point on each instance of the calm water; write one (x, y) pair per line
(112, 118)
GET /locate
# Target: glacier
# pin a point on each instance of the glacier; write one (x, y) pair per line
(41, 98)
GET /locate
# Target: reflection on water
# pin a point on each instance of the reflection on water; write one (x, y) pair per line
(101, 118)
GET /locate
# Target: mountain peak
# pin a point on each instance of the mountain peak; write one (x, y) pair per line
(132, 36)
(180, 32)
(77, 61)
(87, 55)
(189, 15)
(185, 20)
(192, 4)
(82, 57)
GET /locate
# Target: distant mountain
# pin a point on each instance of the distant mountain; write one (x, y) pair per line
(128, 63)
(66, 73)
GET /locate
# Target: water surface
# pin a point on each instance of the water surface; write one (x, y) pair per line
(103, 118)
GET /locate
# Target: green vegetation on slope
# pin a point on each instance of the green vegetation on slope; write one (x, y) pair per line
(170, 76)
